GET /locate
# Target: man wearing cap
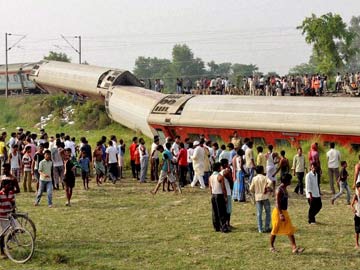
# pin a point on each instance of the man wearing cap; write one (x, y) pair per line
(154, 161)
(198, 163)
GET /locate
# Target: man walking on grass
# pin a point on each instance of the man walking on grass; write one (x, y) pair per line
(312, 194)
(260, 187)
(333, 158)
(45, 167)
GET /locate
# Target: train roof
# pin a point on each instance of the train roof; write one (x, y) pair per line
(316, 115)
(88, 80)
(17, 66)
(131, 106)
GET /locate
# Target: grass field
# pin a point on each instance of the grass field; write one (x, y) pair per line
(123, 226)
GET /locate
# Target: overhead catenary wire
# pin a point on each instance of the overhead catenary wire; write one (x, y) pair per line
(252, 41)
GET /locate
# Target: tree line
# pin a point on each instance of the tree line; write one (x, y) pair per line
(335, 48)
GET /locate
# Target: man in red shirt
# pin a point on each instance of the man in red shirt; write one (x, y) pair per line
(183, 164)
(132, 149)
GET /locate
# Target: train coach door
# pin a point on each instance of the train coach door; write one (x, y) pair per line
(161, 135)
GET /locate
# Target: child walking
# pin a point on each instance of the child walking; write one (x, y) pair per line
(84, 162)
(342, 180)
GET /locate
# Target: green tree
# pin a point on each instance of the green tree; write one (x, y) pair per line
(304, 68)
(151, 68)
(272, 73)
(354, 62)
(54, 56)
(244, 70)
(184, 64)
(325, 33)
(222, 69)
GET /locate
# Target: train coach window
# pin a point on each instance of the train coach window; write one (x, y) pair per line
(258, 141)
(16, 79)
(193, 137)
(282, 142)
(326, 144)
(161, 135)
(355, 147)
(215, 138)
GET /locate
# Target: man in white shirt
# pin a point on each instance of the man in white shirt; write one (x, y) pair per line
(71, 145)
(312, 194)
(112, 162)
(245, 146)
(175, 147)
(198, 163)
(333, 157)
(144, 160)
(260, 187)
(12, 141)
(154, 161)
(58, 164)
(338, 82)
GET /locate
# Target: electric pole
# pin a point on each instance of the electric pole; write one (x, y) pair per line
(76, 50)
(6, 58)
(6, 66)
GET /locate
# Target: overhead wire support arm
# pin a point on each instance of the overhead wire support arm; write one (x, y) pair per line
(17, 42)
(76, 50)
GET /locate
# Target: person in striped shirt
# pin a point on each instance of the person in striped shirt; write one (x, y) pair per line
(26, 168)
(7, 204)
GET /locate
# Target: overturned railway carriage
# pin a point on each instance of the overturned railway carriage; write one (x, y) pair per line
(275, 120)
(18, 79)
(267, 120)
(126, 101)
(90, 81)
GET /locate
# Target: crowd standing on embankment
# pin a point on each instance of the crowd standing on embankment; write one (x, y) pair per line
(43, 163)
(259, 85)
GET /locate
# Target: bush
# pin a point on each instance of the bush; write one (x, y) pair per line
(91, 115)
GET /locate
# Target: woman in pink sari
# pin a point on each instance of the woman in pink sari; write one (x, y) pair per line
(315, 160)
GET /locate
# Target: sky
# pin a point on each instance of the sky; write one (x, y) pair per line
(115, 32)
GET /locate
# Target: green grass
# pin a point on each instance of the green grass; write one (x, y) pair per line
(122, 226)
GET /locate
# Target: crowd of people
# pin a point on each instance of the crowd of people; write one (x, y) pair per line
(43, 163)
(306, 85)
(226, 169)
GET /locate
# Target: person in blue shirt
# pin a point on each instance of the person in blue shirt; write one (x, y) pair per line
(84, 163)
(166, 168)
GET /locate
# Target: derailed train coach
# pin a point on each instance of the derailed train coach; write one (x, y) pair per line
(266, 120)
(126, 101)
(18, 79)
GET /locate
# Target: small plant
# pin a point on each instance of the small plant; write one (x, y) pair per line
(60, 258)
